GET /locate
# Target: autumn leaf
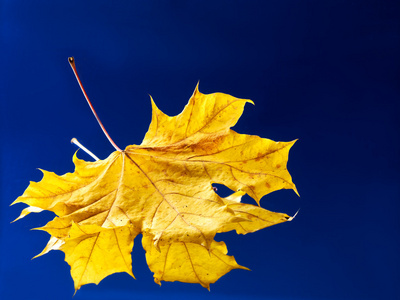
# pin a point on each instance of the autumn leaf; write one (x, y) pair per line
(162, 189)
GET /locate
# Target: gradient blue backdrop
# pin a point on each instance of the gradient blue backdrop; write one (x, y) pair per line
(325, 72)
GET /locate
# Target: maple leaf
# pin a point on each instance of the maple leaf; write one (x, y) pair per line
(163, 190)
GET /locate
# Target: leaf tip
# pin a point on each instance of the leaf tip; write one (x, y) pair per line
(36, 256)
(153, 104)
(155, 110)
(75, 157)
(243, 268)
(205, 285)
(249, 101)
(237, 196)
(196, 90)
(131, 274)
(16, 219)
(158, 281)
(38, 228)
(295, 190)
(291, 218)
(15, 202)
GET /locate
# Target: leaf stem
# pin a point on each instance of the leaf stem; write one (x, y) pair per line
(76, 142)
(71, 61)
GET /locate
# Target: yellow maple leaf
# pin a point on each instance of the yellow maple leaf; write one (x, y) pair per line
(163, 190)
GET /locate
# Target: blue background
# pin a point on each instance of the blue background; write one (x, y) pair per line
(325, 72)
